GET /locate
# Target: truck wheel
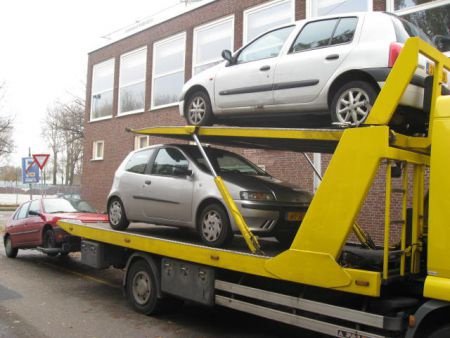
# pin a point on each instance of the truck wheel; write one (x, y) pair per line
(214, 226)
(142, 289)
(116, 215)
(442, 332)
(9, 250)
(50, 241)
(198, 110)
(353, 102)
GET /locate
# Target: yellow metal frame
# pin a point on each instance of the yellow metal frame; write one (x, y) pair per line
(313, 256)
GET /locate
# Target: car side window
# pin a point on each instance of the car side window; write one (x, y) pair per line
(23, 211)
(34, 206)
(324, 33)
(168, 162)
(138, 162)
(345, 31)
(267, 46)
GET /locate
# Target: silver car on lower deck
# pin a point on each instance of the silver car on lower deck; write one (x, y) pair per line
(172, 185)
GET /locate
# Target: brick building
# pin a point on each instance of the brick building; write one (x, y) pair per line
(135, 81)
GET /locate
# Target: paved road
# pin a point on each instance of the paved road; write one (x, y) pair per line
(58, 297)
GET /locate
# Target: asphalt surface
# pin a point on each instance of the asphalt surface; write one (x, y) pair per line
(44, 296)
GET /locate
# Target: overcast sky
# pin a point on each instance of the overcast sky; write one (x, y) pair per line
(43, 55)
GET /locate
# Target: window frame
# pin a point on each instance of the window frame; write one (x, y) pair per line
(91, 119)
(183, 69)
(94, 150)
(311, 7)
(144, 77)
(205, 27)
(137, 139)
(259, 8)
(390, 7)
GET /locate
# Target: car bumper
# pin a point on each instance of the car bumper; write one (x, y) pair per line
(268, 218)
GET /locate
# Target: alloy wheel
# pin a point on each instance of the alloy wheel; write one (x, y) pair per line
(353, 106)
(115, 212)
(197, 110)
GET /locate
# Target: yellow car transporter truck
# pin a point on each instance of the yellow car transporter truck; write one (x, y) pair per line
(321, 282)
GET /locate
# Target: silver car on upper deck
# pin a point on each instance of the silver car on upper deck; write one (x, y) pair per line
(171, 185)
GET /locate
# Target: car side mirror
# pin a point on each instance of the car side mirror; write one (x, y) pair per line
(180, 171)
(227, 55)
(34, 213)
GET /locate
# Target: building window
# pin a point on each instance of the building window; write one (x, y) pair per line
(132, 81)
(209, 42)
(433, 17)
(102, 90)
(168, 70)
(329, 7)
(97, 150)
(260, 19)
(141, 141)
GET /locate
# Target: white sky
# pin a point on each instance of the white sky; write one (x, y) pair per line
(43, 55)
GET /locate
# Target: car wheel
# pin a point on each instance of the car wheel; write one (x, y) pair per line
(214, 226)
(116, 215)
(352, 103)
(141, 288)
(198, 110)
(9, 250)
(50, 242)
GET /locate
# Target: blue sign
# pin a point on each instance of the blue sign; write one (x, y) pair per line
(30, 171)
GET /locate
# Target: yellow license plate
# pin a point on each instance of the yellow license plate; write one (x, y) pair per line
(430, 68)
(295, 216)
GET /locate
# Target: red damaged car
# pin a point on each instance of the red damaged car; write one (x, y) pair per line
(33, 225)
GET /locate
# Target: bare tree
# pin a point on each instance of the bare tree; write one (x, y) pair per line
(63, 129)
(6, 127)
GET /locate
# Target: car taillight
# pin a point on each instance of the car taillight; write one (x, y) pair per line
(394, 51)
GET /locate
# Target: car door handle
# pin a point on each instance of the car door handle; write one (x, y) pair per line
(332, 57)
(264, 68)
(147, 182)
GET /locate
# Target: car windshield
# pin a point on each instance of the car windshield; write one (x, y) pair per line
(224, 161)
(61, 205)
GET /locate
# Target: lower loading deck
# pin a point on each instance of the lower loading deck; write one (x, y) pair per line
(178, 244)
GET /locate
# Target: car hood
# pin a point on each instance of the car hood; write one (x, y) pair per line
(283, 191)
(82, 216)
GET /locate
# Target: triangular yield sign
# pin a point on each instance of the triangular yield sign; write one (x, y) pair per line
(41, 159)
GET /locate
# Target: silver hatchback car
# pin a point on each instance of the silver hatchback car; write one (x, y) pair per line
(171, 185)
(329, 66)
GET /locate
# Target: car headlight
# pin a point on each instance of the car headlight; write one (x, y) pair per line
(256, 196)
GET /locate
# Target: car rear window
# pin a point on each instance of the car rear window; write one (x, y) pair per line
(405, 29)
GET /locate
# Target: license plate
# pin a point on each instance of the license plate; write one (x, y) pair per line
(295, 216)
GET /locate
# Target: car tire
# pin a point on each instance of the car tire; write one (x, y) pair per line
(9, 250)
(116, 215)
(49, 242)
(214, 226)
(198, 111)
(442, 332)
(141, 288)
(352, 103)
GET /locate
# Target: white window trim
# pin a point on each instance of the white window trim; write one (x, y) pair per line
(310, 12)
(155, 45)
(119, 113)
(137, 139)
(436, 3)
(104, 91)
(206, 27)
(261, 7)
(94, 150)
